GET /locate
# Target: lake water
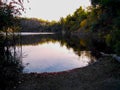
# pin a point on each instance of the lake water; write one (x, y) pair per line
(43, 54)
(34, 33)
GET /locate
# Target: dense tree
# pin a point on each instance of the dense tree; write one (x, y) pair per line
(108, 21)
(108, 9)
(72, 22)
(8, 10)
(10, 64)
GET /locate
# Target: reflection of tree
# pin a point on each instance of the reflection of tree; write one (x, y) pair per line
(88, 55)
(68, 41)
(10, 65)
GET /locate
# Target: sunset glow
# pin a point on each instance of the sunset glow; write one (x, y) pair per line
(53, 9)
(52, 57)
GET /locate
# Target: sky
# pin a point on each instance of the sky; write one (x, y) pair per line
(53, 9)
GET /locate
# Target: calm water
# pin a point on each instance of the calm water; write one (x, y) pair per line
(51, 55)
(34, 33)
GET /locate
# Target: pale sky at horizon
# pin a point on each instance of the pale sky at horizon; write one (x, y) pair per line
(53, 9)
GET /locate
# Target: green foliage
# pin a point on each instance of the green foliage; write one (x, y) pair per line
(116, 21)
(117, 47)
(105, 13)
(105, 3)
(5, 16)
(82, 43)
(104, 19)
(108, 39)
(83, 23)
(72, 22)
(113, 41)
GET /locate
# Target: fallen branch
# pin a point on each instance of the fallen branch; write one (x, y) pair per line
(112, 55)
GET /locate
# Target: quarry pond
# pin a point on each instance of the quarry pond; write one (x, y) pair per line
(44, 52)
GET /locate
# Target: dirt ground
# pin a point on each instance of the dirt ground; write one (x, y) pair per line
(102, 75)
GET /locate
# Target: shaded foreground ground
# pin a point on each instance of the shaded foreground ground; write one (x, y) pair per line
(102, 75)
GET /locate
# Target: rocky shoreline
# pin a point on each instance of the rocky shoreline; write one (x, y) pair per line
(103, 75)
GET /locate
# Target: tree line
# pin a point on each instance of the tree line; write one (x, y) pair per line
(101, 19)
(10, 64)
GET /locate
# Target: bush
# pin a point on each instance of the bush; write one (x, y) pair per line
(115, 43)
(83, 23)
(108, 39)
(117, 48)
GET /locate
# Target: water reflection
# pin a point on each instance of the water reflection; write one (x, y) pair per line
(48, 53)
(10, 64)
(34, 33)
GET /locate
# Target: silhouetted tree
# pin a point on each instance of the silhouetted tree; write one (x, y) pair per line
(8, 10)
